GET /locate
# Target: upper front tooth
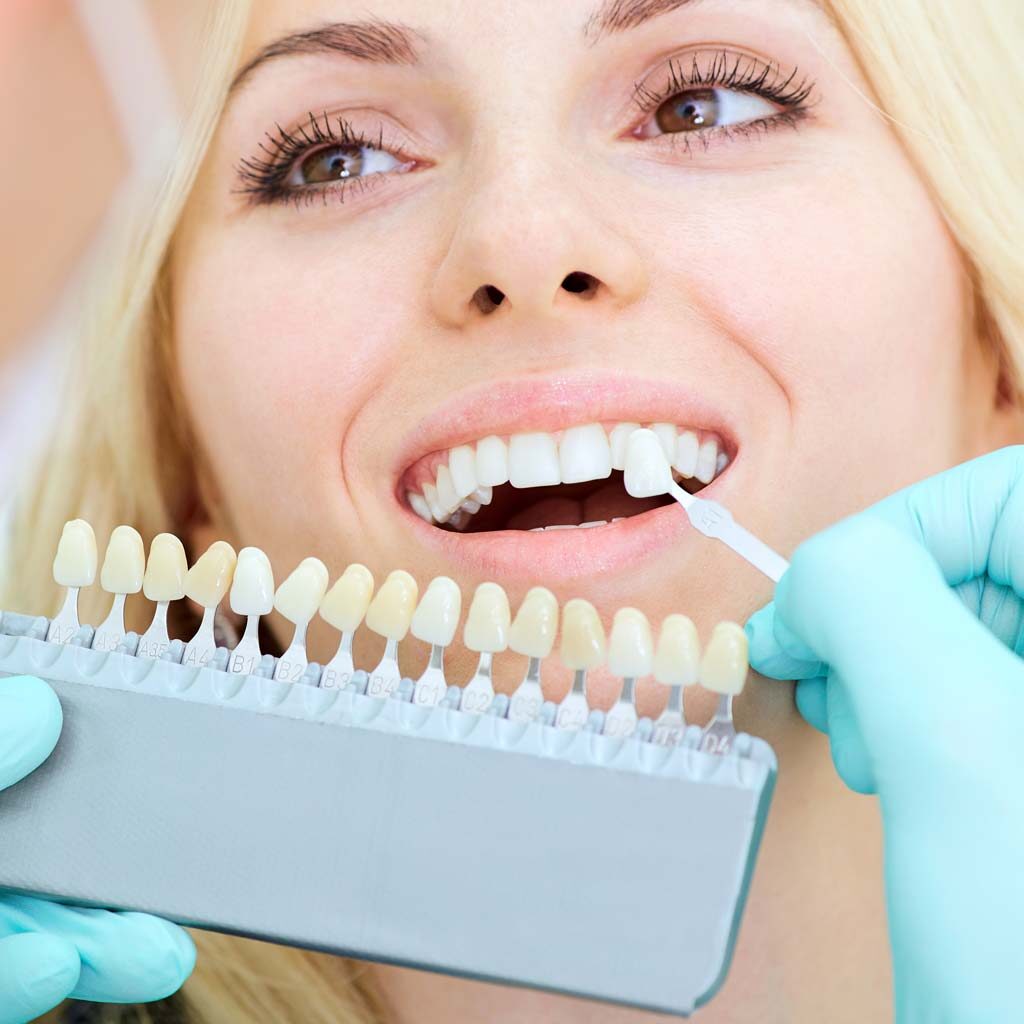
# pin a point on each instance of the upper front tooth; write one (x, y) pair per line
(298, 598)
(124, 562)
(252, 589)
(533, 460)
(677, 659)
(647, 473)
(617, 441)
(208, 580)
(533, 632)
(446, 496)
(723, 669)
(390, 612)
(487, 624)
(430, 497)
(584, 454)
(437, 615)
(164, 579)
(462, 466)
(74, 565)
(685, 458)
(583, 641)
(631, 646)
(345, 604)
(491, 462)
(707, 460)
(419, 505)
(666, 434)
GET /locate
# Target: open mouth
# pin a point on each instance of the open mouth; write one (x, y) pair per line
(551, 480)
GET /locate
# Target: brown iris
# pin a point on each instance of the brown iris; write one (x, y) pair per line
(688, 111)
(332, 164)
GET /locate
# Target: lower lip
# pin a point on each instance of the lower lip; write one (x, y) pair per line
(555, 556)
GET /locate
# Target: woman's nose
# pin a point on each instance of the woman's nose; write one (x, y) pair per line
(535, 243)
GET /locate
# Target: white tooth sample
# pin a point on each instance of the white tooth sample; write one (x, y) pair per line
(298, 599)
(685, 458)
(252, 595)
(533, 634)
(123, 567)
(419, 505)
(584, 454)
(430, 497)
(617, 440)
(462, 466)
(533, 461)
(583, 647)
(446, 496)
(435, 621)
(723, 669)
(206, 583)
(630, 653)
(676, 665)
(486, 630)
(344, 607)
(491, 462)
(666, 434)
(647, 473)
(74, 567)
(707, 459)
(163, 582)
(390, 614)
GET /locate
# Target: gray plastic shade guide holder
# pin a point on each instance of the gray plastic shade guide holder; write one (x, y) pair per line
(297, 815)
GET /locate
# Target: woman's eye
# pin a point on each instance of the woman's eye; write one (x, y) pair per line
(337, 163)
(696, 109)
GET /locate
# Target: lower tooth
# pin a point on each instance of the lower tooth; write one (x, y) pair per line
(483, 495)
(471, 506)
(458, 519)
(596, 522)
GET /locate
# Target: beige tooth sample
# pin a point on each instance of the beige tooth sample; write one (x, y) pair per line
(435, 620)
(252, 595)
(124, 565)
(298, 599)
(163, 582)
(533, 634)
(630, 656)
(486, 631)
(344, 607)
(647, 472)
(206, 583)
(583, 647)
(74, 567)
(390, 614)
(676, 665)
(723, 669)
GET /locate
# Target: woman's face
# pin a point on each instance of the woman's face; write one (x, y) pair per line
(690, 213)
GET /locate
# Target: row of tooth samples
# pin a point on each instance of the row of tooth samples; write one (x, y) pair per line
(455, 489)
(397, 609)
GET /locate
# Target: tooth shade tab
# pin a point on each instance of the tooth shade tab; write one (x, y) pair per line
(299, 597)
(252, 587)
(491, 462)
(344, 605)
(584, 454)
(677, 658)
(164, 579)
(647, 473)
(583, 644)
(631, 645)
(437, 615)
(124, 564)
(390, 612)
(536, 624)
(74, 565)
(533, 461)
(489, 620)
(208, 580)
(723, 669)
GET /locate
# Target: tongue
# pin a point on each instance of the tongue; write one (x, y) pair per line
(608, 502)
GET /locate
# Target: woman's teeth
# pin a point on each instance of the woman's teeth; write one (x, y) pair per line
(452, 490)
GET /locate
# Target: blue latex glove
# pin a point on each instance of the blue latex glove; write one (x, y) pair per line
(49, 951)
(903, 627)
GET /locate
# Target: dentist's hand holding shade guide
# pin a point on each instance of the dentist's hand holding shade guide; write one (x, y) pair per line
(648, 475)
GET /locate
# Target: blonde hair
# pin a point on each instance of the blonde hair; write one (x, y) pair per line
(124, 452)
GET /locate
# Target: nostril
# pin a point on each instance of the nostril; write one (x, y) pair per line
(488, 298)
(577, 282)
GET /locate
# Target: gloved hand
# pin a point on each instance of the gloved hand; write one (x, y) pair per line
(903, 626)
(49, 951)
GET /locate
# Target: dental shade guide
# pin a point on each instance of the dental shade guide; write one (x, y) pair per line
(365, 781)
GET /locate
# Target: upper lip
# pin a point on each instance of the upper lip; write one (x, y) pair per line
(553, 403)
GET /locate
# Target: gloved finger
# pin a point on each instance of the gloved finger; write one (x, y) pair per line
(812, 702)
(849, 751)
(775, 651)
(125, 957)
(30, 723)
(37, 972)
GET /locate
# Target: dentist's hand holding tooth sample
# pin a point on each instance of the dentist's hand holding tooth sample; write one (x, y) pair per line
(903, 627)
(48, 951)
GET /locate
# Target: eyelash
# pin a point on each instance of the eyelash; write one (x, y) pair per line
(263, 177)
